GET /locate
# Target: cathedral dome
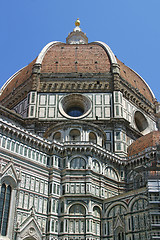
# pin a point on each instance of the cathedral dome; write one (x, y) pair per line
(76, 56)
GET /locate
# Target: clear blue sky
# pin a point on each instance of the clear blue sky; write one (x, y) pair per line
(130, 28)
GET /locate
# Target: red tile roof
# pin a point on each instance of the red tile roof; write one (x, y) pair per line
(135, 80)
(149, 140)
(84, 58)
(19, 79)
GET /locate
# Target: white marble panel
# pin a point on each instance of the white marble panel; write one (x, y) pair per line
(107, 112)
(27, 182)
(36, 203)
(51, 112)
(26, 201)
(40, 204)
(20, 199)
(98, 112)
(51, 100)
(42, 99)
(32, 183)
(42, 112)
(37, 186)
(45, 206)
(98, 99)
(31, 201)
(41, 187)
(23, 180)
(46, 189)
(107, 99)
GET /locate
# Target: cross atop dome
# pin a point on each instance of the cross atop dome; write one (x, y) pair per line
(77, 36)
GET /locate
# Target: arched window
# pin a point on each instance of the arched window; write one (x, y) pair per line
(119, 233)
(110, 173)
(62, 207)
(138, 181)
(140, 121)
(96, 166)
(77, 209)
(74, 135)
(96, 221)
(4, 208)
(76, 222)
(2, 199)
(78, 163)
(92, 137)
(52, 226)
(116, 213)
(57, 137)
(96, 212)
(61, 226)
(117, 210)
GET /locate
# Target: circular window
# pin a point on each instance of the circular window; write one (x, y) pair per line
(75, 111)
(75, 106)
(140, 121)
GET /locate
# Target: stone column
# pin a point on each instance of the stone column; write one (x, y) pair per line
(11, 213)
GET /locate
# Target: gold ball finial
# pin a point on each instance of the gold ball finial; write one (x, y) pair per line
(77, 22)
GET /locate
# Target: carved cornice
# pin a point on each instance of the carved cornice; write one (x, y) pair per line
(133, 95)
(70, 147)
(75, 82)
(72, 86)
(11, 114)
(18, 94)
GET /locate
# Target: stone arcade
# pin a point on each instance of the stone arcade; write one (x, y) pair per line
(79, 147)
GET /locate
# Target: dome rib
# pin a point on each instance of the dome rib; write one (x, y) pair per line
(144, 82)
(108, 50)
(44, 51)
(16, 80)
(136, 81)
(10, 79)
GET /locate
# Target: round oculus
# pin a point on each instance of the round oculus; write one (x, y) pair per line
(75, 106)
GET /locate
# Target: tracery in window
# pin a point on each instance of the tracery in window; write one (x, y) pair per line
(96, 166)
(78, 163)
(77, 224)
(139, 181)
(110, 173)
(117, 210)
(140, 204)
(96, 212)
(97, 221)
(77, 209)
(139, 218)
